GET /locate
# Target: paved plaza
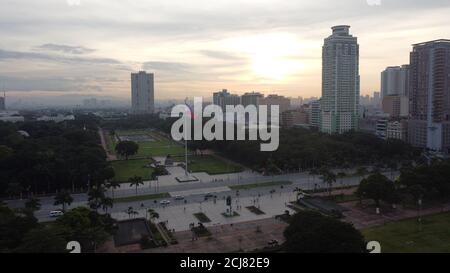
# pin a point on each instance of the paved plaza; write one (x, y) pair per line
(179, 217)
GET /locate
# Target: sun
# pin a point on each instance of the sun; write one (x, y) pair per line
(272, 55)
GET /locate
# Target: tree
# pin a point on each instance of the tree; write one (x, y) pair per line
(87, 227)
(33, 204)
(95, 197)
(158, 171)
(107, 203)
(43, 240)
(377, 187)
(311, 232)
(136, 181)
(330, 178)
(131, 212)
(152, 214)
(127, 148)
(63, 198)
(112, 185)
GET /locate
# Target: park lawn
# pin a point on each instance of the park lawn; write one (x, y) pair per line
(404, 236)
(161, 147)
(124, 169)
(212, 165)
(142, 197)
(260, 185)
(133, 132)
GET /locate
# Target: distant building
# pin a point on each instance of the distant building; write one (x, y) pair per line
(381, 127)
(396, 106)
(283, 102)
(57, 118)
(3, 103)
(11, 116)
(142, 93)
(395, 81)
(314, 113)
(429, 94)
(90, 103)
(340, 82)
(223, 98)
(376, 98)
(294, 117)
(251, 98)
(397, 129)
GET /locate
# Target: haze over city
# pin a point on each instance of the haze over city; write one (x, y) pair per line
(89, 48)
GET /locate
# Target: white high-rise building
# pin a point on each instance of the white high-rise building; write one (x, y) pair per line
(142, 93)
(340, 82)
(395, 81)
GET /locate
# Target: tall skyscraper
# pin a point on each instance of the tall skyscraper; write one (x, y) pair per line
(3, 102)
(429, 124)
(395, 81)
(142, 93)
(340, 82)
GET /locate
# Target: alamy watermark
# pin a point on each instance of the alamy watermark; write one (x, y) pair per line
(236, 119)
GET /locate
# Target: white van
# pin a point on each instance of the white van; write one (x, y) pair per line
(56, 213)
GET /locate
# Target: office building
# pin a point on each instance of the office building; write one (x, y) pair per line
(340, 82)
(142, 93)
(395, 81)
(429, 94)
(396, 106)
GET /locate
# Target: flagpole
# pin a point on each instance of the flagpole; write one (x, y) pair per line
(185, 141)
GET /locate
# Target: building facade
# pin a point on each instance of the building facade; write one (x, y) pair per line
(224, 98)
(396, 106)
(395, 81)
(429, 94)
(251, 98)
(340, 82)
(142, 93)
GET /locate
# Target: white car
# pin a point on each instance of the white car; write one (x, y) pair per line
(165, 202)
(56, 213)
(178, 197)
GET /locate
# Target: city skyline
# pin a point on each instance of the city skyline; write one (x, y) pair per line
(199, 48)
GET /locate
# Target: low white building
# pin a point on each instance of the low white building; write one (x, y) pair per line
(57, 118)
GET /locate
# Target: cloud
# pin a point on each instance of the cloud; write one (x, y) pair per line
(77, 50)
(8, 54)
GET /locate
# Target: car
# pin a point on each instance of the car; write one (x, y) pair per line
(208, 195)
(272, 243)
(178, 197)
(164, 202)
(56, 213)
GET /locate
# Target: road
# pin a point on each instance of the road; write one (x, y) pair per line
(195, 192)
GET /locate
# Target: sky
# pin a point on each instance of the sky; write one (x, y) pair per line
(57, 48)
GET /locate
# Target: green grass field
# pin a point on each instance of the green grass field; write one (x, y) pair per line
(125, 169)
(260, 185)
(161, 146)
(405, 236)
(212, 165)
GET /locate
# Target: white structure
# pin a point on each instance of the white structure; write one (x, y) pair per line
(58, 118)
(11, 116)
(142, 93)
(395, 81)
(340, 82)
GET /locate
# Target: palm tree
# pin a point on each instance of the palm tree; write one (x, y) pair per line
(63, 198)
(153, 214)
(136, 181)
(107, 203)
(96, 196)
(33, 204)
(112, 185)
(130, 211)
(329, 178)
